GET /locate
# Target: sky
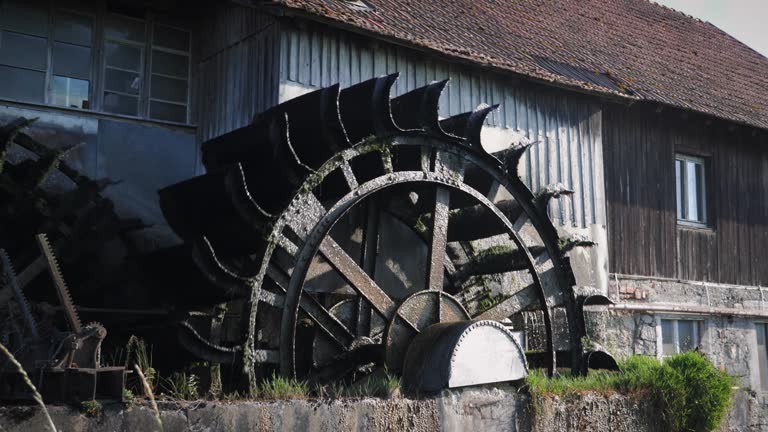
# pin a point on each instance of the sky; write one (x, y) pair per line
(746, 20)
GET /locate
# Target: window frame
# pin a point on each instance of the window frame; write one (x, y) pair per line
(699, 329)
(681, 197)
(98, 16)
(762, 370)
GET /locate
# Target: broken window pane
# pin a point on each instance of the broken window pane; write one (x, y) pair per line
(70, 92)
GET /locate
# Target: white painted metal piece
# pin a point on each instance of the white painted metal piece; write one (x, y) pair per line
(486, 353)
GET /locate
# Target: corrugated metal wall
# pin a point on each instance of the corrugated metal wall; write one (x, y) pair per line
(567, 126)
(236, 71)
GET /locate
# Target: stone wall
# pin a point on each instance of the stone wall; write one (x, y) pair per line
(493, 409)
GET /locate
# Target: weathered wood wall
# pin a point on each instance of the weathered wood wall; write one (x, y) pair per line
(236, 71)
(644, 237)
(566, 125)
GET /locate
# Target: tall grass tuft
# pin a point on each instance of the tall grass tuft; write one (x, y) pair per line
(35, 394)
(278, 387)
(693, 394)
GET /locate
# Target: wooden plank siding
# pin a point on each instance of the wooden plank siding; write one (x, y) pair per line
(644, 236)
(565, 125)
(237, 71)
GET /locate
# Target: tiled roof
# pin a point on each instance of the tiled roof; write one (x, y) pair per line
(648, 52)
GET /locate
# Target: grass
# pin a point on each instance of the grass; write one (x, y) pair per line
(379, 385)
(693, 394)
(278, 387)
(182, 386)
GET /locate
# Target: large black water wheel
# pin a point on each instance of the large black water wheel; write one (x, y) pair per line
(354, 222)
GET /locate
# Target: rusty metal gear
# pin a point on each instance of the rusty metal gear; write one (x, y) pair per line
(308, 212)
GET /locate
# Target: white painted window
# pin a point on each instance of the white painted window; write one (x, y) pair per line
(690, 178)
(137, 66)
(762, 353)
(679, 335)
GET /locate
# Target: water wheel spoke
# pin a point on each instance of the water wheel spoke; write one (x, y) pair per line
(368, 260)
(436, 263)
(519, 301)
(357, 278)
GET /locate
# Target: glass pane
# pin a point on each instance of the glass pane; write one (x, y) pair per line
(121, 81)
(119, 27)
(76, 29)
(169, 89)
(70, 92)
(170, 38)
(692, 206)
(24, 17)
(700, 192)
(667, 337)
(169, 64)
(685, 335)
(680, 187)
(21, 50)
(169, 112)
(22, 84)
(121, 104)
(123, 56)
(762, 353)
(71, 60)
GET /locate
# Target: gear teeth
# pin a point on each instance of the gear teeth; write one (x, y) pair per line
(59, 283)
(574, 241)
(418, 109)
(9, 274)
(469, 125)
(365, 108)
(42, 168)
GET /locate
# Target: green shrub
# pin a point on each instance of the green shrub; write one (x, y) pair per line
(693, 394)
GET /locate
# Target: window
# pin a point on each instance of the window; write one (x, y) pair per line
(679, 336)
(131, 44)
(691, 190)
(762, 353)
(48, 55)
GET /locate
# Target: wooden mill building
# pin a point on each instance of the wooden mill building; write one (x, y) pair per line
(657, 120)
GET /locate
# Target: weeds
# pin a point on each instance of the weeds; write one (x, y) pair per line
(35, 394)
(278, 387)
(90, 408)
(381, 385)
(181, 386)
(139, 355)
(693, 394)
